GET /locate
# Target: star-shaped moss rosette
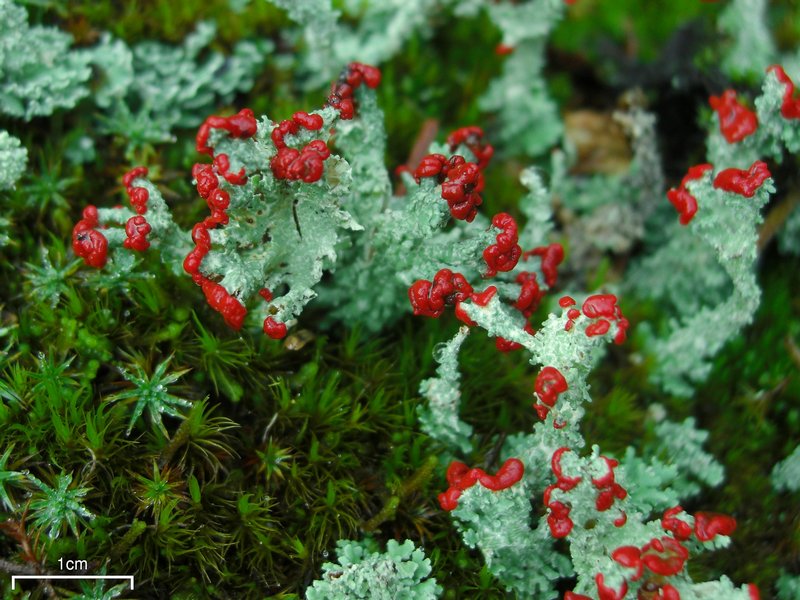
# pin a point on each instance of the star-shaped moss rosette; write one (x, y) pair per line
(99, 590)
(58, 505)
(7, 477)
(150, 392)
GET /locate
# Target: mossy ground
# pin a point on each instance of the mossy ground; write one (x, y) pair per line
(286, 451)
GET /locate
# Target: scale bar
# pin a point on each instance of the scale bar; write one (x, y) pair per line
(15, 577)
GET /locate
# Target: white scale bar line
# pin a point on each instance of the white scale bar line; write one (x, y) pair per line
(15, 577)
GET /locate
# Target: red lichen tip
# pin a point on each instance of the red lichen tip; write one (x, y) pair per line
(549, 385)
(735, 121)
(460, 477)
(631, 557)
(241, 125)
(462, 191)
(552, 256)
(607, 593)
(665, 556)
(341, 96)
(136, 230)
(566, 301)
(558, 519)
(709, 525)
(472, 138)
(744, 183)
(681, 530)
(134, 173)
(683, 201)
(790, 108)
(504, 254)
(90, 245)
(563, 482)
(447, 289)
(274, 329)
(224, 303)
(604, 307)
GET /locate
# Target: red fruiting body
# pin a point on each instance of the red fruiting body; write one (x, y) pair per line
(448, 288)
(218, 200)
(207, 181)
(735, 121)
(599, 305)
(462, 191)
(200, 237)
(274, 329)
(482, 298)
(431, 165)
(136, 230)
(220, 300)
(503, 49)
(306, 165)
(558, 520)
(607, 479)
(504, 345)
(606, 593)
(600, 327)
(191, 264)
(284, 128)
(341, 96)
(551, 256)
(504, 254)
(265, 294)
(563, 482)
(310, 122)
(89, 244)
(223, 164)
(681, 530)
(460, 477)
(137, 195)
(292, 164)
(605, 308)
(621, 519)
(371, 75)
(666, 556)
(550, 383)
(241, 125)
(790, 108)
(744, 183)
(529, 294)
(472, 138)
(605, 499)
(609, 488)
(684, 203)
(135, 172)
(668, 592)
(631, 557)
(566, 301)
(90, 215)
(708, 525)
(752, 591)
(682, 199)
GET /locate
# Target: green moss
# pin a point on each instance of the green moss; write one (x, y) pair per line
(283, 452)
